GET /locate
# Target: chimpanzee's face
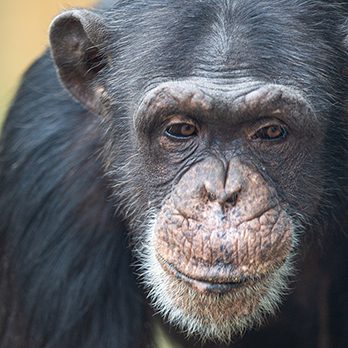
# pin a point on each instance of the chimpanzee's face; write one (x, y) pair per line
(220, 244)
(216, 119)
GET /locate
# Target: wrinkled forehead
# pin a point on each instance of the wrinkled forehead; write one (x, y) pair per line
(267, 41)
(251, 99)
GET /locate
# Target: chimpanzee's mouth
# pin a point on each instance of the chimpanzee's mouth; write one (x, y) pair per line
(216, 286)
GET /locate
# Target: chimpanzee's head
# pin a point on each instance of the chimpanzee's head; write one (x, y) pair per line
(218, 141)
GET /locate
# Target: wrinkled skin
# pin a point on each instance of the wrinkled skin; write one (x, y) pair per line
(222, 242)
(211, 136)
(224, 235)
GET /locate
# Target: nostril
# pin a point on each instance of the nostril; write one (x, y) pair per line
(232, 198)
(220, 195)
(223, 197)
(211, 196)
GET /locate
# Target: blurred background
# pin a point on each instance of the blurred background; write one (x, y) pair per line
(23, 37)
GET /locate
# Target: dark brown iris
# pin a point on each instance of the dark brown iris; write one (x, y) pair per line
(181, 130)
(273, 132)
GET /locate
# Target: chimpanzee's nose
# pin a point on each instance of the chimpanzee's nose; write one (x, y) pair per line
(223, 197)
(224, 185)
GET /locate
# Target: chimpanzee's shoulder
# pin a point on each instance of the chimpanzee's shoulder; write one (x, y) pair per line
(41, 93)
(43, 112)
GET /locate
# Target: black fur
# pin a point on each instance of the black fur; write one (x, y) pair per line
(66, 248)
(66, 279)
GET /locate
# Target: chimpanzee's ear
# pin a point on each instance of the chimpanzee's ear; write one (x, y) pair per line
(77, 40)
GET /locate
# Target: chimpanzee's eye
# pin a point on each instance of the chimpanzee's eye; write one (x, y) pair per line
(272, 132)
(181, 130)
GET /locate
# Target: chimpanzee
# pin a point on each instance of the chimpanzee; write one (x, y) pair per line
(193, 149)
